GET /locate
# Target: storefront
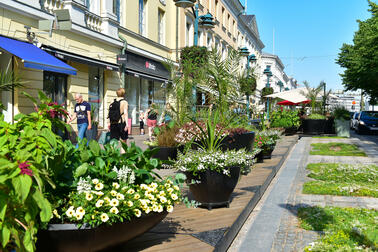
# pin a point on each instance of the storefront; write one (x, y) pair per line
(146, 81)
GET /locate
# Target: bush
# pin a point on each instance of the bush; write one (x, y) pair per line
(284, 119)
(316, 117)
(341, 113)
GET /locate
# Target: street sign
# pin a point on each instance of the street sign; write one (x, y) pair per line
(121, 58)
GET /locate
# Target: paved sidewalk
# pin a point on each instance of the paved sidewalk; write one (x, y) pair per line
(275, 227)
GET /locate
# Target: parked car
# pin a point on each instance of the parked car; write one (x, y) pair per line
(354, 121)
(367, 122)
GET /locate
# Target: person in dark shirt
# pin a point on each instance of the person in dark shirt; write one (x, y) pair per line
(83, 114)
(151, 114)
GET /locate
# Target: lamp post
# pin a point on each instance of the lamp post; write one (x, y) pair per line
(204, 21)
(279, 83)
(250, 58)
(268, 75)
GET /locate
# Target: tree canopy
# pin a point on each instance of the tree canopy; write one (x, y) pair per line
(360, 59)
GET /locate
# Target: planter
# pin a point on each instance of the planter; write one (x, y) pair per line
(214, 189)
(314, 126)
(239, 141)
(67, 237)
(342, 128)
(266, 153)
(166, 153)
(290, 131)
(329, 127)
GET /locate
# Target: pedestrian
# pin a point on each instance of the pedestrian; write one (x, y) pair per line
(118, 117)
(82, 112)
(166, 116)
(141, 122)
(151, 119)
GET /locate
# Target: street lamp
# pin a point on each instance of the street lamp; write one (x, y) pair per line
(268, 75)
(279, 83)
(250, 58)
(204, 21)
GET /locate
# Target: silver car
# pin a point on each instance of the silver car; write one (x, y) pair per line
(354, 121)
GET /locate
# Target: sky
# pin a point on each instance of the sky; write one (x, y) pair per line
(308, 34)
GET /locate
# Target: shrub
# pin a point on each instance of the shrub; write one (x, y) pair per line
(284, 119)
(316, 117)
(341, 113)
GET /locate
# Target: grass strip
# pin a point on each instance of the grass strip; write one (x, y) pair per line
(330, 137)
(336, 149)
(343, 229)
(342, 179)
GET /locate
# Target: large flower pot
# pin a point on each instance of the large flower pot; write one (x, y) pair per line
(70, 238)
(313, 126)
(290, 131)
(329, 127)
(213, 189)
(166, 153)
(266, 153)
(239, 141)
(342, 128)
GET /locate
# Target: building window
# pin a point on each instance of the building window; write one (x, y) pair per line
(142, 17)
(223, 17)
(161, 27)
(216, 9)
(209, 41)
(55, 86)
(116, 8)
(96, 94)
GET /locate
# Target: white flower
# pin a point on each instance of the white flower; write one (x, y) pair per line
(99, 203)
(163, 199)
(136, 196)
(155, 208)
(148, 210)
(153, 185)
(114, 202)
(115, 185)
(170, 190)
(137, 213)
(151, 197)
(70, 211)
(114, 210)
(55, 212)
(160, 209)
(174, 196)
(88, 196)
(83, 186)
(113, 193)
(130, 191)
(169, 209)
(130, 203)
(176, 187)
(95, 181)
(99, 186)
(79, 216)
(80, 210)
(120, 196)
(104, 217)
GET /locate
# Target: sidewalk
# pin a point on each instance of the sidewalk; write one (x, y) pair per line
(275, 227)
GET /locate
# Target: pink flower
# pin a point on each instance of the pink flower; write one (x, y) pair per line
(24, 168)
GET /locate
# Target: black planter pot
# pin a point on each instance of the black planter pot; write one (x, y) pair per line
(215, 188)
(166, 153)
(266, 153)
(69, 238)
(329, 127)
(239, 141)
(314, 126)
(290, 131)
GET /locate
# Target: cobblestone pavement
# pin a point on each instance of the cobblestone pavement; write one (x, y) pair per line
(289, 236)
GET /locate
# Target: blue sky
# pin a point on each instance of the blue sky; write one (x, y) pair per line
(309, 31)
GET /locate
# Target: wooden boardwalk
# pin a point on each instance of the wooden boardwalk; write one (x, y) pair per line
(202, 230)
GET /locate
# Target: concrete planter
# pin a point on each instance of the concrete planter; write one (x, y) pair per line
(342, 128)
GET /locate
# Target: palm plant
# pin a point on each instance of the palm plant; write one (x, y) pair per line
(312, 94)
(8, 81)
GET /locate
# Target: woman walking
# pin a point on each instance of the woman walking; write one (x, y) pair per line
(151, 119)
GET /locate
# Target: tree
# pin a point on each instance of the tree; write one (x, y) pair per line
(360, 60)
(312, 94)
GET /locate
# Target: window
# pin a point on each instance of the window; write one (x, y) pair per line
(116, 8)
(216, 9)
(209, 41)
(96, 94)
(142, 17)
(228, 22)
(161, 27)
(223, 17)
(233, 28)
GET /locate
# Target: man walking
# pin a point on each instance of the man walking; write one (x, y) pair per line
(118, 117)
(83, 114)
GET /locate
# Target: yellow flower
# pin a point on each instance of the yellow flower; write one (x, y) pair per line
(114, 202)
(174, 196)
(55, 212)
(99, 203)
(88, 196)
(163, 199)
(80, 210)
(93, 217)
(95, 181)
(79, 216)
(136, 196)
(114, 210)
(130, 191)
(113, 193)
(169, 181)
(99, 186)
(120, 196)
(176, 187)
(170, 190)
(137, 213)
(167, 185)
(115, 185)
(104, 217)
(70, 211)
(130, 203)
(169, 209)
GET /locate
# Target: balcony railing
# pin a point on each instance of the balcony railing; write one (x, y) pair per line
(93, 21)
(52, 5)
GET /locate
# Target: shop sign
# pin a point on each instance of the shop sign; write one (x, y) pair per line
(121, 59)
(151, 66)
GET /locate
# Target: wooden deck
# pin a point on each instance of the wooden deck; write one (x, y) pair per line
(202, 230)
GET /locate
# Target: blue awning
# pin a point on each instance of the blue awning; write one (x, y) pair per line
(33, 57)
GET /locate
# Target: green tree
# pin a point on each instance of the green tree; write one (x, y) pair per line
(360, 59)
(312, 94)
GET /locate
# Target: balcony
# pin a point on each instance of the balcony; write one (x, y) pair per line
(51, 5)
(93, 21)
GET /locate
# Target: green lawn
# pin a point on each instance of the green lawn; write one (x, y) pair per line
(332, 137)
(344, 229)
(336, 149)
(342, 179)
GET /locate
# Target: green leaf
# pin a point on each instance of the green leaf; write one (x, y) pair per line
(94, 147)
(22, 184)
(154, 162)
(19, 117)
(28, 241)
(100, 163)
(3, 140)
(3, 205)
(180, 178)
(81, 170)
(44, 205)
(5, 235)
(84, 155)
(112, 175)
(49, 136)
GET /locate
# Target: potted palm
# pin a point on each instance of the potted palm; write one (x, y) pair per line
(342, 121)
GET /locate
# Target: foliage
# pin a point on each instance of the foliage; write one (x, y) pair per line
(8, 81)
(166, 133)
(284, 119)
(343, 179)
(27, 151)
(266, 91)
(316, 117)
(344, 229)
(266, 140)
(360, 59)
(247, 82)
(195, 56)
(95, 202)
(336, 149)
(341, 113)
(198, 161)
(312, 94)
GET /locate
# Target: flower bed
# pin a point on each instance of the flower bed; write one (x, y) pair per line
(336, 149)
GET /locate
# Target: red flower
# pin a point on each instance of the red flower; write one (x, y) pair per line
(24, 168)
